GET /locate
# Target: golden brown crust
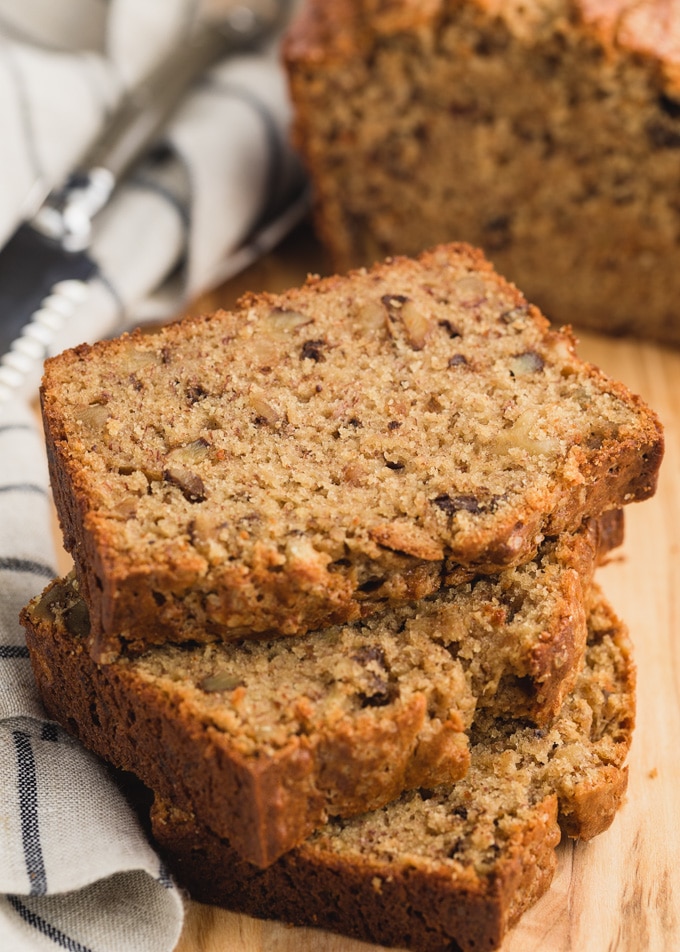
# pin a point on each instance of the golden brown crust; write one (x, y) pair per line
(594, 804)
(472, 432)
(648, 28)
(321, 29)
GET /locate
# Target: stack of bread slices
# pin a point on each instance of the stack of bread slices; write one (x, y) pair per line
(333, 595)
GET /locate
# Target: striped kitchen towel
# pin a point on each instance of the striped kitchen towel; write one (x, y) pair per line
(76, 871)
(220, 187)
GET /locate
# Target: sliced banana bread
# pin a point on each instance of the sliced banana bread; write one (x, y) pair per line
(276, 735)
(451, 868)
(319, 454)
(545, 132)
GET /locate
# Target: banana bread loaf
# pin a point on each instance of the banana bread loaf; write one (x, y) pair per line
(274, 736)
(319, 454)
(450, 868)
(545, 132)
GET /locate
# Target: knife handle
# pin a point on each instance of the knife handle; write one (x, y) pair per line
(67, 212)
(40, 287)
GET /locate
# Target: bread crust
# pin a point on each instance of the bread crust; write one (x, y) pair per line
(650, 28)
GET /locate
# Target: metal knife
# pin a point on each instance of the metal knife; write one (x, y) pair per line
(44, 267)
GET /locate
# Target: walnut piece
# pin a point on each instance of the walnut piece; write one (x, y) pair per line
(264, 411)
(525, 364)
(190, 483)
(222, 681)
(402, 310)
(93, 416)
(280, 323)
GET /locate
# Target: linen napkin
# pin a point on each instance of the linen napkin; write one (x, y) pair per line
(219, 188)
(76, 871)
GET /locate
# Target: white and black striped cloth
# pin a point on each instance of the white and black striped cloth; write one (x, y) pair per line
(76, 871)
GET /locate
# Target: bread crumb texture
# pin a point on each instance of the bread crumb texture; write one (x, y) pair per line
(335, 722)
(452, 867)
(318, 454)
(546, 132)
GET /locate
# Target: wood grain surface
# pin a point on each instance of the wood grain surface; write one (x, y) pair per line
(621, 891)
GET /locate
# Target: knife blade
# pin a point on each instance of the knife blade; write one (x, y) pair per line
(45, 266)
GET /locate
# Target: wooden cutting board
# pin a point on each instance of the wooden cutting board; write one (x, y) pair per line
(621, 892)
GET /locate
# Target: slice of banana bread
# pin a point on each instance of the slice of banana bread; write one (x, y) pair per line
(450, 868)
(274, 736)
(318, 454)
(545, 132)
